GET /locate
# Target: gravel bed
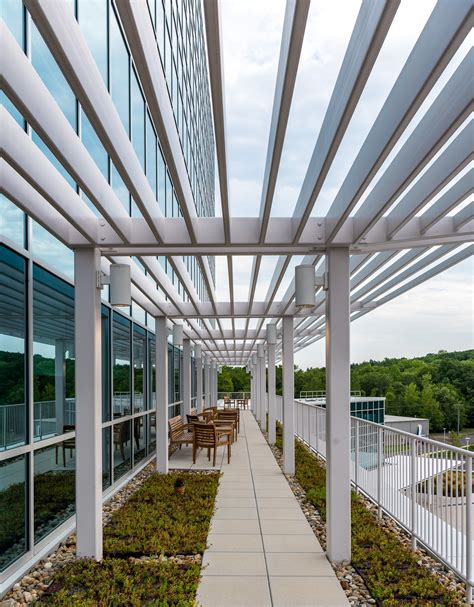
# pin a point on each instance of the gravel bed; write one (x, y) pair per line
(352, 583)
(31, 587)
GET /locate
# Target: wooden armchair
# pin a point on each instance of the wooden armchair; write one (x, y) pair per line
(209, 436)
(230, 416)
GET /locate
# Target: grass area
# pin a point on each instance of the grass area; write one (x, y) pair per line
(155, 521)
(389, 569)
(119, 582)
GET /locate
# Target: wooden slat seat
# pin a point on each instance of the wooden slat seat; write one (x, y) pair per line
(180, 434)
(209, 436)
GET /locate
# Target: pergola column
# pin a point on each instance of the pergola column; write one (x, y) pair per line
(207, 379)
(271, 345)
(186, 379)
(338, 488)
(252, 387)
(262, 386)
(198, 357)
(257, 387)
(161, 330)
(288, 397)
(88, 404)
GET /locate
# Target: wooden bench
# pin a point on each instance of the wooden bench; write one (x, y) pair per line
(180, 434)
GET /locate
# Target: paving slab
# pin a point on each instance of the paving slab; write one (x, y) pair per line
(261, 550)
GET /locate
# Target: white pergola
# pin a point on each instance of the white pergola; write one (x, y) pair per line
(403, 214)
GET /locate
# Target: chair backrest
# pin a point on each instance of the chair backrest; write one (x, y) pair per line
(193, 412)
(192, 418)
(204, 435)
(175, 425)
(227, 414)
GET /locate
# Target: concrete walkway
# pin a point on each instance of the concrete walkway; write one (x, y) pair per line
(262, 551)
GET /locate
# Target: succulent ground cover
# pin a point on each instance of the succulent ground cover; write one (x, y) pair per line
(152, 546)
(390, 570)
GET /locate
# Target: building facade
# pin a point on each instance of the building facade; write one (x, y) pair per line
(37, 357)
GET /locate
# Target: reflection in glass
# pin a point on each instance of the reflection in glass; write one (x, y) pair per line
(53, 355)
(139, 372)
(150, 154)
(119, 71)
(12, 349)
(152, 433)
(120, 188)
(139, 433)
(13, 15)
(121, 366)
(161, 182)
(105, 323)
(106, 471)
(138, 120)
(54, 487)
(152, 371)
(94, 146)
(122, 449)
(13, 542)
(52, 251)
(11, 109)
(93, 22)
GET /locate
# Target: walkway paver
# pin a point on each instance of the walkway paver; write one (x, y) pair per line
(261, 549)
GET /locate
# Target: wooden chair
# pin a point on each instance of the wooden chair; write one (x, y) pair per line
(69, 443)
(242, 403)
(180, 434)
(231, 416)
(209, 436)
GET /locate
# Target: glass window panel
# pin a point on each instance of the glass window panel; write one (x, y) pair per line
(54, 487)
(12, 13)
(94, 146)
(13, 511)
(138, 313)
(122, 449)
(121, 368)
(170, 374)
(53, 355)
(93, 22)
(161, 182)
(152, 371)
(46, 66)
(160, 28)
(139, 371)
(120, 188)
(138, 120)
(105, 322)
(52, 251)
(52, 158)
(106, 471)
(119, 71)
(177, 374)
(152, 433)
(13, 416)
(150, 154)
(12, 222)
(169, 196)
(139, 434)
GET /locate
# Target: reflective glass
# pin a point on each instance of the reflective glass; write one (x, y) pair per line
(53, 355)
(93, 22)
(119, 71)
(161, 182)
(13, 510)
(138, 120)
(151, 154)
(52, 251)
(139, 369)
(12, 12)
(52, 158)
(120, 188)
(122, 449)
(12, 222)
(121, 366)
(49, 71)
(106, 472)
(152, 371)
(105, 323)
(139, 434)
(152, 433)
(13, 418)
(54, 486)
(11, 109)
(94, 146)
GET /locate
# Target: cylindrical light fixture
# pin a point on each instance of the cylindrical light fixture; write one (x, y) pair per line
(198, 351)
(120, 285)
(271, 333)
(260, 351)
(304, 286)
(177, 335)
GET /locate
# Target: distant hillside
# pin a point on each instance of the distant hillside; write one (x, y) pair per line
(429, 386)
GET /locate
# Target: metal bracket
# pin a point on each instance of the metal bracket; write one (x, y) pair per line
(102, 279)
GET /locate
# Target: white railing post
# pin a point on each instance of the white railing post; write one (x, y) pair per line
(469, 523)
(379, 471)
(413, 493)
(356, 456)
(288, 397)
(317, 430)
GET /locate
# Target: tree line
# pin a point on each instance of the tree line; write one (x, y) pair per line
(438, 386)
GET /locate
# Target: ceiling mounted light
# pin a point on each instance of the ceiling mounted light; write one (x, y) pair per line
(198, 351)
(271, 334)
(177, 335)
(304, 286)
(260, 351)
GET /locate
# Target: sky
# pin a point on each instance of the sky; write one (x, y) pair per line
(435, 315)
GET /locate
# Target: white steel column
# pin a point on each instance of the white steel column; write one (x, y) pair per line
(338, 486)
(271, 384)
(161, 330)
(207, 379)
(88, 404)
(288, 397)
(198, 357)
(186, 379)
(257, 388)
(252, 388)
(262, 386)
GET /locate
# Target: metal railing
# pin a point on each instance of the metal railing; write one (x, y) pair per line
(233, 395)
(316, 394)
(424, 485)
